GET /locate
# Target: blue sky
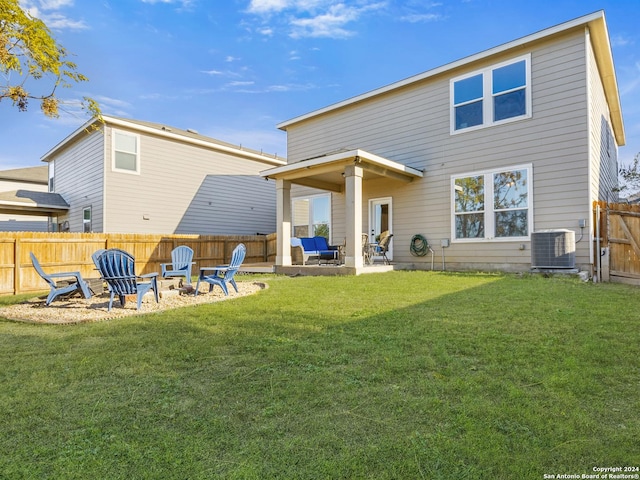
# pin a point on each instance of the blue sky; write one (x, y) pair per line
(234, 69)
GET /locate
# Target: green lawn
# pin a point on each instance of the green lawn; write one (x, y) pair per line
(402, 375)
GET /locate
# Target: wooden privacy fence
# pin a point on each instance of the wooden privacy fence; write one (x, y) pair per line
(63, 252)
(619, 234)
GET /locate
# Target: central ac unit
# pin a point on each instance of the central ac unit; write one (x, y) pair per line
(553, 249)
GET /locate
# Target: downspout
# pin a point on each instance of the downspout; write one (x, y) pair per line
(106, 165)
(590, 150)
(598, 276)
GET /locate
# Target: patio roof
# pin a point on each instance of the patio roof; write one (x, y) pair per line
(326, 172)
(26, 202)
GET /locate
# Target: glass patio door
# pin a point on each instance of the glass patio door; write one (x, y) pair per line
(379, 221)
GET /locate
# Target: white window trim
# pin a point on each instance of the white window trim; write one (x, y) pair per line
(310, 225)
(487, 98)
(489, 225)
(52, 181)
(113, 152)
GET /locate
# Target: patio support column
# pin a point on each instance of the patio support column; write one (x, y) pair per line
(353, 216)
(283, 222)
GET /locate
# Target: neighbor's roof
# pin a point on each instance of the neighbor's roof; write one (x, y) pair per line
(172, 133)
(601, 46)
(39, 175)
(25, 201)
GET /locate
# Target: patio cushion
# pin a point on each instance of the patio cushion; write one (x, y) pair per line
(309, 245)
(324, 250)
(315, 247)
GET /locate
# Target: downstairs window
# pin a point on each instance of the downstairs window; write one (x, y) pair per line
(492, 205)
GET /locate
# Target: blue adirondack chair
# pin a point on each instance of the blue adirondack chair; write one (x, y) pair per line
(223, 273)
(76, 284)
(117, 268)
(95, 255)
(181, 263)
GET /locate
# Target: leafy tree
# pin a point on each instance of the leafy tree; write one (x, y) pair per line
(630, 176)
(28, 49)
(321, 230)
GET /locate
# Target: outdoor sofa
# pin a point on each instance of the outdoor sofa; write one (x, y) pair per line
(317, 248)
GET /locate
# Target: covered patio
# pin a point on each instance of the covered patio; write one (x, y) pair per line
(343, 172)
(27, 202)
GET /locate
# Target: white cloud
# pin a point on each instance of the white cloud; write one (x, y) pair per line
(55, 4)
(266, 31)
(221, 73)
(61, 22)
(48, 12)
(332, 23)
(181, 5)
(113, 102)
(421, 17)
(159, 96)
(290, 87)
(240, 83)
(314, 18)
(620, 41)
(268, 6)
(184, 3)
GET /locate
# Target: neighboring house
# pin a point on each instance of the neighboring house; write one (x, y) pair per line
(24, 201)
(475, 155)
(128, 176)
(634, 198)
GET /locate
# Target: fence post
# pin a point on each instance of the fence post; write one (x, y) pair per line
(16, 266)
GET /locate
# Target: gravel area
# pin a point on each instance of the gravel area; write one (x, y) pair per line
(80, 310)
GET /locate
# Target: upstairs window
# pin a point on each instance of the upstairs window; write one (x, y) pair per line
(491, 96)
(126, 152)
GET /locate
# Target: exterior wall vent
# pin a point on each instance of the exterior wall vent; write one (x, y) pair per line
(552, 249)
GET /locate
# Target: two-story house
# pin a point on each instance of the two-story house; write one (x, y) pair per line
(477, 156)
(127, 176)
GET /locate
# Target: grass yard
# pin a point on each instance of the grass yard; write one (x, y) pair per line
(402, 375)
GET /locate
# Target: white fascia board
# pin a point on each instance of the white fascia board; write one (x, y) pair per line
(237, 151)
(27, 205)
(68, 139)
(584, 20)
(341, 158)
(119, 122)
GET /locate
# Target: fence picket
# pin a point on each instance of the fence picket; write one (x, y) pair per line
(620, 234)
(58, 252)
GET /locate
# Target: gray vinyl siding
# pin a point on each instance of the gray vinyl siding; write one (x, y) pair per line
(78, 178)
(231, 205)
(23, 223)
(604, 151)
(183, 188)
(411, 125)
